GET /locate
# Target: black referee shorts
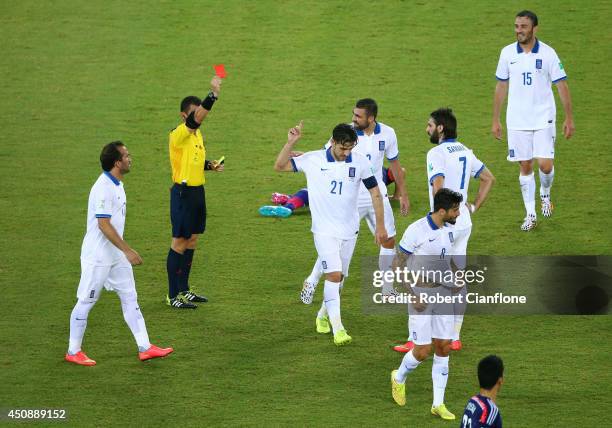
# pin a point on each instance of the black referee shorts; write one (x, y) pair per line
(187, 210)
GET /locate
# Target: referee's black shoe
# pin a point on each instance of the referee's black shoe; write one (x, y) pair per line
(178, 303)
(190, 296)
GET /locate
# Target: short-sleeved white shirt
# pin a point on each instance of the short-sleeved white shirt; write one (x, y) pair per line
(457, 164)
(531, 104)
(333, 189)
(382, 143)
(425, 238)
(106, 200)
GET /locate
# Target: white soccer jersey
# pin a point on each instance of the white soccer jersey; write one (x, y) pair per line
(425, 238)
(333, 188)
(456, 163)
(382, 143)
(531, 104)
(106, 200)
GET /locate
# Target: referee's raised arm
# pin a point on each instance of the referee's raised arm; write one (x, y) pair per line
(194, 121)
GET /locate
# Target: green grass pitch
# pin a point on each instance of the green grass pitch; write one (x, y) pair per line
(76, 75)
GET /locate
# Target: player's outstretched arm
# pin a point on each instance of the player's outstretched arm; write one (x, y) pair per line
(215, 87)
(111, 234)
(501, 90)
(400, 184)
(283, 160)
(486, 183)
(564, 94)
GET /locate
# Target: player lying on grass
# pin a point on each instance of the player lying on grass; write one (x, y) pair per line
(286, 204)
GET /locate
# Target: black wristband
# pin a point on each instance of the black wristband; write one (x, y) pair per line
(207, 165)
(191, 122)
(208, 102)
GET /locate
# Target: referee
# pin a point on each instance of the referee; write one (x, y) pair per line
(187, 200)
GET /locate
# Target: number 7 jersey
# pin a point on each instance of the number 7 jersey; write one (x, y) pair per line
(457, 164)
(333, 189)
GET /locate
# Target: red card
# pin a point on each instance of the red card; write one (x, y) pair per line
(220, 70)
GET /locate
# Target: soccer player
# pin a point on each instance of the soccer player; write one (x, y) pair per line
(375, 141)
(481, 411)
(106, 259)
(451, 164)
(334, 178)
(525, 72)
(187, 197)
(429, 323)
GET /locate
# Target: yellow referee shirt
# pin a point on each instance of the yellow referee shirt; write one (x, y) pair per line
(187, 155)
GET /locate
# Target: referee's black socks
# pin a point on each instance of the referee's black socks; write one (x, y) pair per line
(185, 269)
(173, 265)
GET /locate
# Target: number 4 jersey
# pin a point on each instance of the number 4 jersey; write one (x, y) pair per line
(333, 189)
(457, 164)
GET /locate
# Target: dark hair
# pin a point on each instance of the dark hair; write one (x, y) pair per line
(369, 105)
(344, 133)
(446, 199)
(189, 101)
(490, 369)
(528, 14)
(446, 118)
(110, 154)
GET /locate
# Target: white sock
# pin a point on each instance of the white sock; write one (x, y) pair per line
(316, 273)
(385, 260)
(78, 323)
(459, 310)
(322, 311)
(331, 297)
(546, 181)
(134, 320)
(409, 363)
(458, 323)
(439, 376)
(528, 190)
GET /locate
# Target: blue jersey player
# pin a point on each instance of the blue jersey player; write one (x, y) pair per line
(481, 410)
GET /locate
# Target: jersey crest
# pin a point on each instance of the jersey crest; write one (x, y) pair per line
(538, 64)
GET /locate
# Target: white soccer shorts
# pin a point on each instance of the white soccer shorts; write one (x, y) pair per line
(527, 145)
(367, 212)
(334, 253)
(460, 242)
(436, 321)
(118, 277)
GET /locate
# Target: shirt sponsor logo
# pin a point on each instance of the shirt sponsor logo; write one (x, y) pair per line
(381, 146)
(538, 64)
